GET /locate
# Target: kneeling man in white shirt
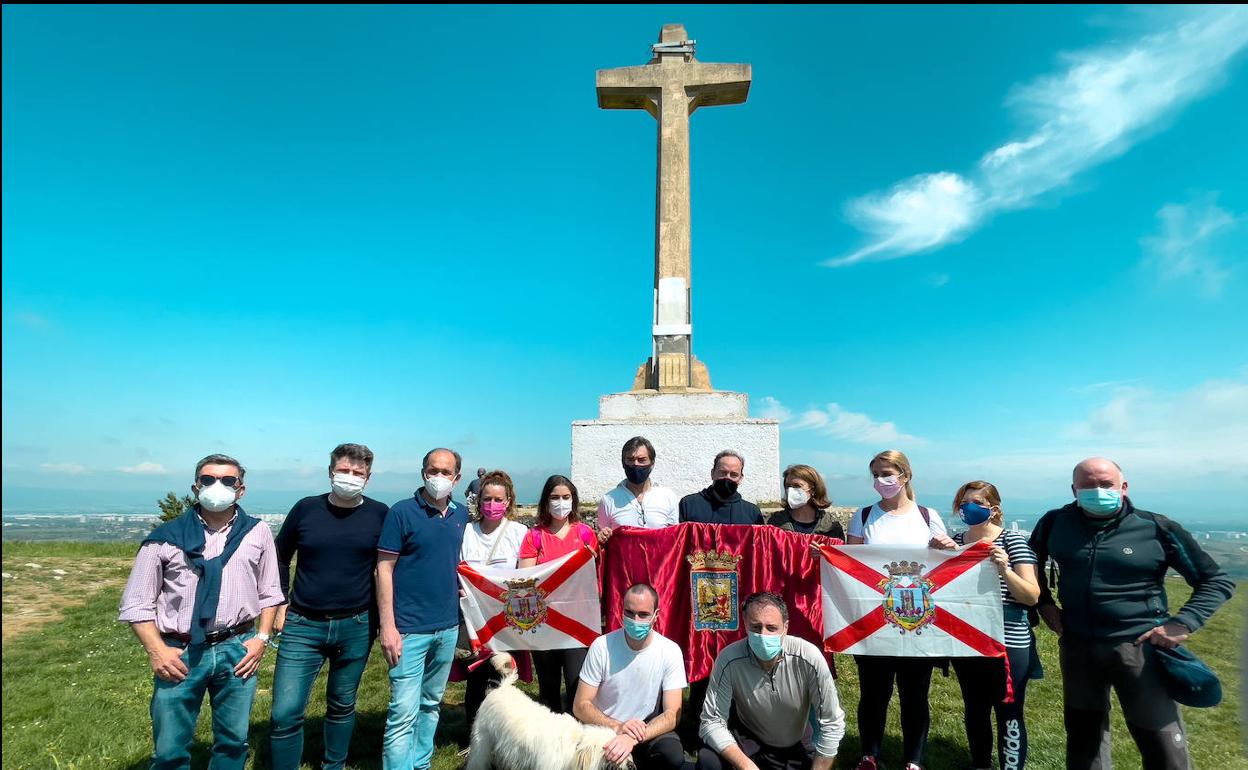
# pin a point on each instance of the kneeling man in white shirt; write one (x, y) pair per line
(633, 681)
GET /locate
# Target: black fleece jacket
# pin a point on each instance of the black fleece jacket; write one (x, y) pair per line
(1112, 583)
(705, 508)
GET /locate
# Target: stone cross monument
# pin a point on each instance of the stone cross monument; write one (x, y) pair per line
(670, 87)
(671, 402)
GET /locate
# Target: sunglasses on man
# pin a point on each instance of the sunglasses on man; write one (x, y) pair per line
(230, 481)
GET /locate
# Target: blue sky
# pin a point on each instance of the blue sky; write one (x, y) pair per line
(999, 239)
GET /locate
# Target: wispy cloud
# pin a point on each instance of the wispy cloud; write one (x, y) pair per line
(1102, 102)
(1208, 419)
(837, 422)
(771, 409)
(146, 469)
(67, 469)
(1190, 243)
(32, 320)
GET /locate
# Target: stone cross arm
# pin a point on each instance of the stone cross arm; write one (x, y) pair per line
(706, 85)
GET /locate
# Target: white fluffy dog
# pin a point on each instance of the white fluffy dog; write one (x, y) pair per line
(514, 732)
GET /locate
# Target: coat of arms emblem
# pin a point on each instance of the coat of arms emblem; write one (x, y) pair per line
(524, 604)
(714, 585)
(908, 600)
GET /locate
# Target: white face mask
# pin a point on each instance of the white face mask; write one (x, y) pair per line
(347, 486)
(438, 487)
(561, 509)
(217, 497)
(797, 497)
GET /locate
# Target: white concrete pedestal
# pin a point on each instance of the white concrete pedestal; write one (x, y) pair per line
(687, 430)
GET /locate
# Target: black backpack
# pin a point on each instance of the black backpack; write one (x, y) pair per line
(865, 512)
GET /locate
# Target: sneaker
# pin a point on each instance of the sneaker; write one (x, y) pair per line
(912, 766)
(868, 763)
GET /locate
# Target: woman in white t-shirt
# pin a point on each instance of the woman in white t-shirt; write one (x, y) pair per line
(896, 519)
(492, 539)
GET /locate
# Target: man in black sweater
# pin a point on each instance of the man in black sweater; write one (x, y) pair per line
(719, 503)
(332, 610)
(1113, 559)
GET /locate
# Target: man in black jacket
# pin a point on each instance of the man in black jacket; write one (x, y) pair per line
(1113, 559)
(720, 503)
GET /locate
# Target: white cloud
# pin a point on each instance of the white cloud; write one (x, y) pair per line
(917, 214)
(1164, 440)
(1104, 101)
(1189, 243)
(1207, 419)
(33, 320)
(839, 423)
(771, 409)
(68, 469)
(146, 469)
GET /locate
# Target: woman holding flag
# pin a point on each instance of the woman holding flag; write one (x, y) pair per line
(559, 531)
(896, 519)
(491, 540)
(983, 679)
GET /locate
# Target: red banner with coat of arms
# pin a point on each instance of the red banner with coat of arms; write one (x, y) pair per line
(703, 572)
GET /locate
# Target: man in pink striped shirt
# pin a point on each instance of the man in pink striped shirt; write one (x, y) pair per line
(201, 598)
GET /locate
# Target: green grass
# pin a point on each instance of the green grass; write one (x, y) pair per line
(26, 549)
(76, 696)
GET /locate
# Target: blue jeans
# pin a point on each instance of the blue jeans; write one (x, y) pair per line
(306, 645)
(416, 687)
(175, 707)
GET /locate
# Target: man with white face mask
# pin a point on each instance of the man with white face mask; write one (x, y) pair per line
(633, 681)
(201, 598)
(766, 691)
(1113, 559)
(418, 601)
(332, 611)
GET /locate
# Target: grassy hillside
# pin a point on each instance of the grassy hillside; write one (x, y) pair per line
(76, 689)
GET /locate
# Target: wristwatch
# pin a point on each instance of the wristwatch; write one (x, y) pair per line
(263, 637)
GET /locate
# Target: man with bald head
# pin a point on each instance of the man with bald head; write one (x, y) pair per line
(418, 604)
(1113, 559)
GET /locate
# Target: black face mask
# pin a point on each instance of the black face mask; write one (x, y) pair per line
(637, 474)
(724, 488)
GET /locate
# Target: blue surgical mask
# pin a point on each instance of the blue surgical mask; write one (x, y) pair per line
(636, 630)
(974, 513)
(1099, 502)
(766, 646)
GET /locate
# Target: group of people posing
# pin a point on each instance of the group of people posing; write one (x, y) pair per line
(211, 590)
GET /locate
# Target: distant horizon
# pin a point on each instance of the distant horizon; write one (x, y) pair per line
(54, 502)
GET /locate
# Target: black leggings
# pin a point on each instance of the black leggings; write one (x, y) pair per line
(983, 686)
(875, 681)
(553, 666)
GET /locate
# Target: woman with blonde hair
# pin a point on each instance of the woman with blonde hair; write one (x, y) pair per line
(806, 505)
(982, 680)
(895, 519)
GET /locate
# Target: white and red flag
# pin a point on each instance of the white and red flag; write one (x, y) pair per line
(552, 606)
(911, 602)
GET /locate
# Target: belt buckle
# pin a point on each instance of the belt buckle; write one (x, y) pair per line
(216, 637)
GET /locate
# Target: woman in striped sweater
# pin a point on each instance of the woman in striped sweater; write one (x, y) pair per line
(982, 680)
